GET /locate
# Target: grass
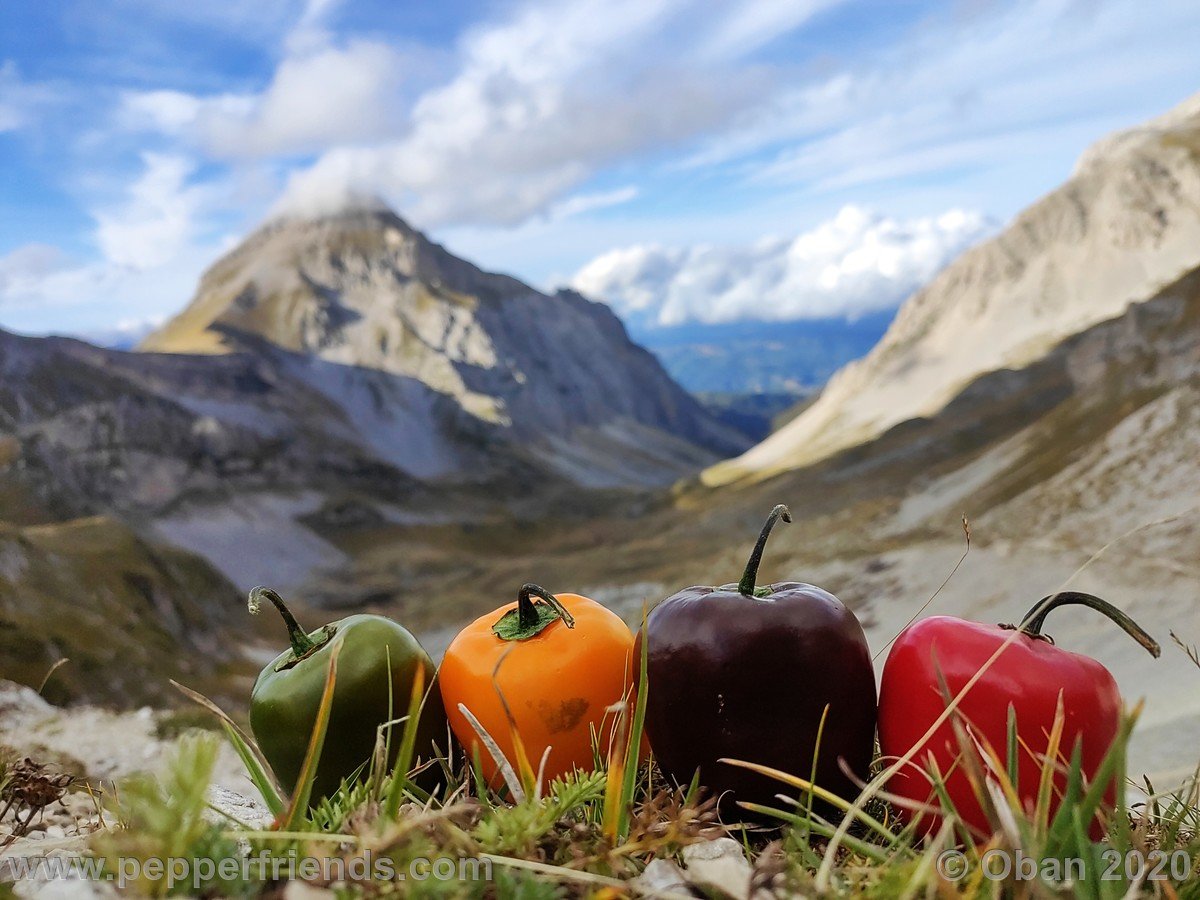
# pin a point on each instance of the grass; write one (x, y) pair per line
(594, 833)
(124, 613)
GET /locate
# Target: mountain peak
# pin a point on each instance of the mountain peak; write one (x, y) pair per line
(401, 330)
(358, 212)
(1182, 121)
(298, 280)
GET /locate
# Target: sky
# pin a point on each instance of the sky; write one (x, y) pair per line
(685, 160)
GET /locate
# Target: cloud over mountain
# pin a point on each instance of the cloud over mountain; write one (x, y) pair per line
(858, 262)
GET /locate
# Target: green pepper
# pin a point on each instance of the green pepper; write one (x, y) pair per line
(287, 696)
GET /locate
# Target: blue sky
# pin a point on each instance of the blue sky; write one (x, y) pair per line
(688, 160)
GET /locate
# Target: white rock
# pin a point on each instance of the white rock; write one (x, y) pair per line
(16, 699)
(246, 810)
(662, 876)
(302, 890)
(719, 865)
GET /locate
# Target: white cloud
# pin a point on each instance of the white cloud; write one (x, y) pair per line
(310, 32)
(170, 112)
(323, 97)
(327, 96)
(543, 101)
(19, 99)
(743, 27)
(157, 220)
(855, 263)
(539, 104)
(28, 264)
(153, 244)
(973, 90)
(323, 93)
(560, 92)
(718, 129)
(82, 298)
(579, 204)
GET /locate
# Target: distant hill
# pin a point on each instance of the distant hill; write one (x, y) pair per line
(751, 357)
(123, 614)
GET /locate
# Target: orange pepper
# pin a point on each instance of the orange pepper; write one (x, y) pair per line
(560, 663)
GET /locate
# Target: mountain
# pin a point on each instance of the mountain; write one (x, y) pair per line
(227, 456)
(1124, 225)
(335, 374)
(419, 346)
(1079, 469)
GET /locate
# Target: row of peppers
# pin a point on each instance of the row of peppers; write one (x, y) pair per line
(778, 675)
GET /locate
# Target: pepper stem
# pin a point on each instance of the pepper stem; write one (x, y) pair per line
(527, 613)
(530, 618)
(1033, 622)
(750, 576)
(301, 642)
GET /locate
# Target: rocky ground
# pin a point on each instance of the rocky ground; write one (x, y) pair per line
(85, 752)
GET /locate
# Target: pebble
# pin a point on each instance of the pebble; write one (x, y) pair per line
(719, 866)
(662, 876)
(249, 812)
(302, 890)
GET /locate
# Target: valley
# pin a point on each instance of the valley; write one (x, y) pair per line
(351, 414)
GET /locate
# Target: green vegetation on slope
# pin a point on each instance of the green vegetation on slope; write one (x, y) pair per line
(126, 614)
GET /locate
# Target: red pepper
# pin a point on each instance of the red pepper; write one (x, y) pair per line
(1029, 675)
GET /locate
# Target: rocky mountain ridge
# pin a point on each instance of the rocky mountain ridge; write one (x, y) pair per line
(1126, 224)
(365, 291)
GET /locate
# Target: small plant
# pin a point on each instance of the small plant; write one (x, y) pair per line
(166, 819)
(27, 788)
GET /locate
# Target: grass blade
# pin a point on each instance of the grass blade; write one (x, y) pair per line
(258, 775)
(633, 745)
(408, 743)
(615, 780)
(1045, 788)
(1014, 765)
(814, 790)
(507, 772)
(246, 749)
(819, 826)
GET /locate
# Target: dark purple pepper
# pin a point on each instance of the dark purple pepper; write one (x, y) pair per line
(746, 672)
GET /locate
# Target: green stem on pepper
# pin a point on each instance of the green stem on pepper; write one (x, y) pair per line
(1033, 622)
(750, 576)
(302, 644)
(530, 617)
